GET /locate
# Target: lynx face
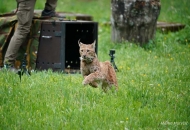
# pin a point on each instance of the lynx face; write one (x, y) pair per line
(87, 52)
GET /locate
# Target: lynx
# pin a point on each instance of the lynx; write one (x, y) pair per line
(93, 71)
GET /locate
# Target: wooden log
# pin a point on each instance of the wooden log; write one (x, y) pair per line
(169, 26)
(134, 20)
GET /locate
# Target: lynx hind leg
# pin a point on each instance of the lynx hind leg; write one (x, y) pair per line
(112, 75)
(105, 87)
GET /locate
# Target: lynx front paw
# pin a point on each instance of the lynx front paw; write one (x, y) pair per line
(84, 83)
(94, 84)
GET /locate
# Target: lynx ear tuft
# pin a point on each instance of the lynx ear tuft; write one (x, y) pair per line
(94, 44)
(80, 43)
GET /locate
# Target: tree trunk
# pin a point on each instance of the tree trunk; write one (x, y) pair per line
(134, 20)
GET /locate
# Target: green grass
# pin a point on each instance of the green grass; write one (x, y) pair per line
(154, 82)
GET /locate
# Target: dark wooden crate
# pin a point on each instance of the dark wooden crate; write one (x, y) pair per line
(58, 48)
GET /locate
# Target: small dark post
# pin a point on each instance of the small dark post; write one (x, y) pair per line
(112, 52)
(23, 68)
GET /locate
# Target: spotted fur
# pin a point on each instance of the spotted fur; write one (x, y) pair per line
(93, 71)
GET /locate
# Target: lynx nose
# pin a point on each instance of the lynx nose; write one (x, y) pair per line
(84, 56)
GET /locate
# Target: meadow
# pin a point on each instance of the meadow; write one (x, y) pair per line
(154, 81)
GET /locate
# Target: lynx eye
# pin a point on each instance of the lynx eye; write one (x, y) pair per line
(88, 50)
(81, 50)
